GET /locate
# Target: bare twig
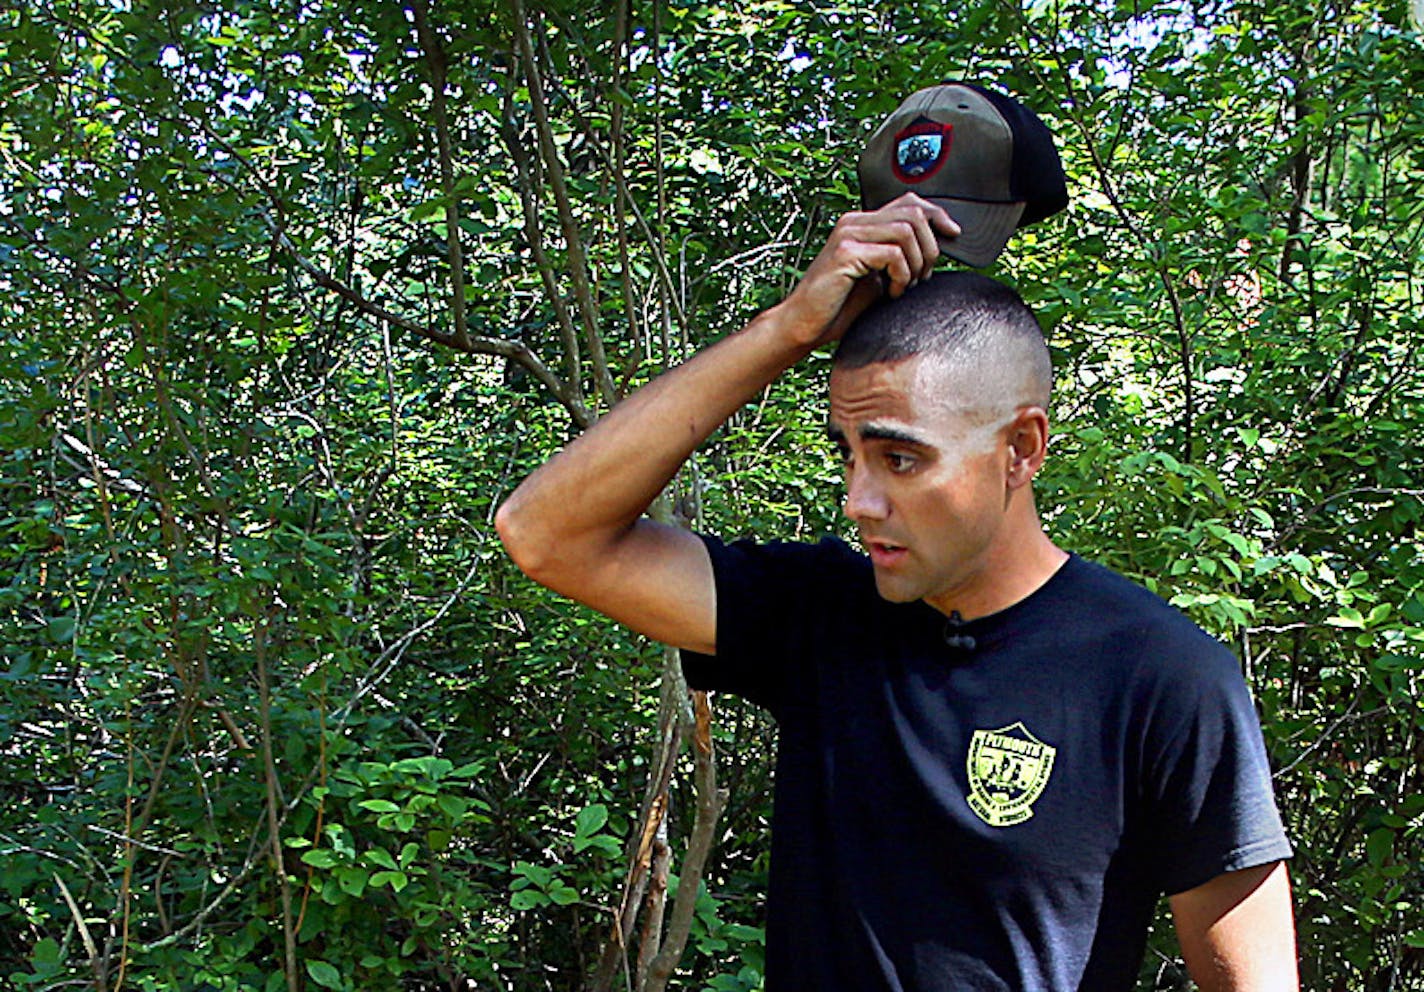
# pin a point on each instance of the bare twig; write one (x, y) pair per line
(274, 825)
(528, 185)
(578, 263)
(255, 855)
(1325, 736)
(382, 667)
(135, 841)
(96, 960)
(435, 60)
(710, 803)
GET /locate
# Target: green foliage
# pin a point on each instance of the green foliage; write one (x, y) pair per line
(246, 492)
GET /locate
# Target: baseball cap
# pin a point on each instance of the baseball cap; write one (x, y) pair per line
(980, 154)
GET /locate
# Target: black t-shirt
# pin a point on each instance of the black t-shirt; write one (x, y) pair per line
(997, 818)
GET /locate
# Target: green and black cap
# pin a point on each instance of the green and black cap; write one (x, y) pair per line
(980, 154)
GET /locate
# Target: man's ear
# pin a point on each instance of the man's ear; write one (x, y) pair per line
(1027, 445)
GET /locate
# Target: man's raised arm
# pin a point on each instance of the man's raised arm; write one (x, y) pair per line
(576, 525)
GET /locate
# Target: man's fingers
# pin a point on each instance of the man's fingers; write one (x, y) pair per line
(928, 219)
(938, 217)
(929, 249)
(902, 237)
(944, 223)
(909, 221)
(889, 259)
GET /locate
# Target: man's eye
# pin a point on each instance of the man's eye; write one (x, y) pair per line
(899, 462)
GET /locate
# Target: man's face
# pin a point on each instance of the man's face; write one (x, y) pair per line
(925, 480)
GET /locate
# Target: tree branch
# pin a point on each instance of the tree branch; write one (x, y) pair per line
(617, 173)
(517, 351)
(1104, 174)
(435, 60)
(528, 187)
(274, 824)
(710, 803)
(578, 263)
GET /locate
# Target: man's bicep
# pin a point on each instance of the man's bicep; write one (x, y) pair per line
(658, 580)
(1237, 931)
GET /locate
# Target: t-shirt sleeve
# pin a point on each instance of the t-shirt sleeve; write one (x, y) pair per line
(765, 595)
(1208, 779)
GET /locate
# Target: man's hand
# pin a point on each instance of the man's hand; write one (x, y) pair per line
(887, 250)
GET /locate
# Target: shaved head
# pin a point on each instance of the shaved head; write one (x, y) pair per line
(980, 343)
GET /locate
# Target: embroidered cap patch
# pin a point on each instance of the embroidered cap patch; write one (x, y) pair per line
(1008, 769)
(920, 149)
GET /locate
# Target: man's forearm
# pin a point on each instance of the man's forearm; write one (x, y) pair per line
(598, 487)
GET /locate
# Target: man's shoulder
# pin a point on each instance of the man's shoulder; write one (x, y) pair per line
(826, 577)
(829, 553)
(1144, 624)
(1097, 586)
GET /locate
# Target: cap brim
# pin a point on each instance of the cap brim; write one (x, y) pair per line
(984, 229)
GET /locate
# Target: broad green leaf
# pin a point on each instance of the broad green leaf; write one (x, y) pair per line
(590, 820)
(323, 974)
(380, 857)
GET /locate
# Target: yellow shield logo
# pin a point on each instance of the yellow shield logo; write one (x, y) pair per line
(1008, 769)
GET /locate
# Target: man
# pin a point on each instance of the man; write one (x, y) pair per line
(994, 756)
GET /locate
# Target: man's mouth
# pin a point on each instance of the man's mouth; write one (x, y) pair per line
(885, 553)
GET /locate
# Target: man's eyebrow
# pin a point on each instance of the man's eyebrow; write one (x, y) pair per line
(881, 432)
(877, 432)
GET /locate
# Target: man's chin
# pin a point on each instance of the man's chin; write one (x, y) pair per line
(893, 591)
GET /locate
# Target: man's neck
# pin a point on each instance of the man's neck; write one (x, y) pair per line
(1020, 568)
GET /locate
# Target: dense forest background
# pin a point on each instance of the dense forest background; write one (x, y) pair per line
(292, 292)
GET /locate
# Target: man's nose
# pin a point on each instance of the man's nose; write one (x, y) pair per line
(865, 499)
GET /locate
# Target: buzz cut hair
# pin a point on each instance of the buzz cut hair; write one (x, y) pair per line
(976, 330)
